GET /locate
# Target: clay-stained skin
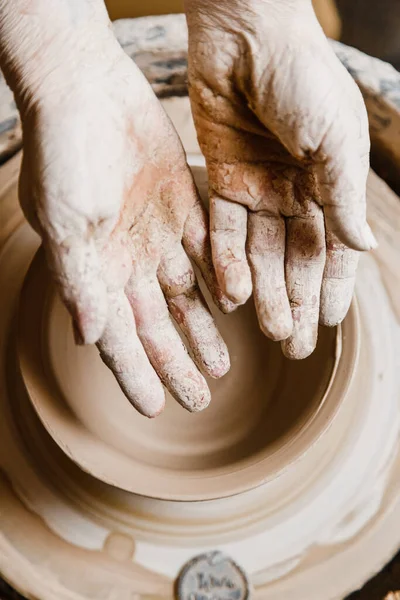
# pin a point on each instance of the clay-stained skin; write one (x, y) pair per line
(284, 131)
(105, 182)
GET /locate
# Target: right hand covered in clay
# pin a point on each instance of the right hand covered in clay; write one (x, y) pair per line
(105, 183)
(284, 131)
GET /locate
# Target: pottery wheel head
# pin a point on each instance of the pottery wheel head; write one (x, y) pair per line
(264, 413)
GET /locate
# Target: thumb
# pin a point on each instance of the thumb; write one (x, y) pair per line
(75, 265)
(342, 179)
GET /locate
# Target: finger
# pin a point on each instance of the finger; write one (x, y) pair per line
(338, 281)
(122, 352)
(196, 241)
(164, 347)
(266, 252)
(305, 260)
(76, 267)
(228, 244)
(342, 182)
(189, 309)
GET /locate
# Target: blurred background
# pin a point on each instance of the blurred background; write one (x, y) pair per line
(370, 25)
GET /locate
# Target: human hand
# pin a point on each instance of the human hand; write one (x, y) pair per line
(105, 183)
(284, 131)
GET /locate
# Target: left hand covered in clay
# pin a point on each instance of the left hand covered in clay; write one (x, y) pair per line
(284, 131)
(104, 181)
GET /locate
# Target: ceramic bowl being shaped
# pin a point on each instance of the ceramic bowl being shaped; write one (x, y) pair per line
(266, 412)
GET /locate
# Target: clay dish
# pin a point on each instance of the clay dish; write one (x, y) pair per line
(266, 412)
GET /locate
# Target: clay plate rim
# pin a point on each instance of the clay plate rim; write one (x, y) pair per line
(93, 455)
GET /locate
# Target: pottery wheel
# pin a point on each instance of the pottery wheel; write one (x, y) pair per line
(293, 471)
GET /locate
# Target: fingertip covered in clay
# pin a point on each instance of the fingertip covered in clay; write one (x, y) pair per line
(224, 304)
(236, 281)
(336, 297)
(149, 401)
(216, 361)
(299, 348)
(277, 331)
(218, 371)
(347, 228)
(197, 401)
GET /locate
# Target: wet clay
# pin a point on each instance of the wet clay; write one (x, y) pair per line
(264, 402)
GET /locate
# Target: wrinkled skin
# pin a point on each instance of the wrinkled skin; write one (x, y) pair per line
(284, 131)
(105, 183)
